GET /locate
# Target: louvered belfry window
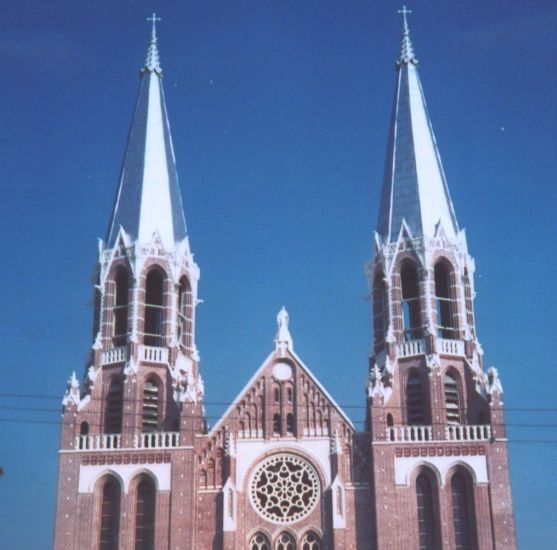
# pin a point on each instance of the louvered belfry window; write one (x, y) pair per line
(446, 307)
(110, 515)
(121, 307)
(154, 310)
(415, 399)
(150, 406)
(452, 401)
(411, 316)
(113, 410)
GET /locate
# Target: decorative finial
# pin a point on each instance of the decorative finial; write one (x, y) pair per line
(406, 50)
(152, 61)
(283, 339)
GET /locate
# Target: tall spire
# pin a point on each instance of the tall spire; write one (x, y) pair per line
(148, 200)
(414, 187)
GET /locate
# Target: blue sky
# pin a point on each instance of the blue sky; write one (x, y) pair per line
(279, 112)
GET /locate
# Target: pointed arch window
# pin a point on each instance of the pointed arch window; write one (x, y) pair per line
(122, 287)
(185, 314)
(113, 410)
(290, 424)
(145, 514)
(97, 299)
(462, 513)
(427, 511)
(154, 309)
(411, 316)
(415, 409)
(311, 541)
(452, 400)
(110, 515)
(277, 427)
(285, 541)
(380, 309)
(150, 417)
(259, 542)
(84, 432)
(444, 299)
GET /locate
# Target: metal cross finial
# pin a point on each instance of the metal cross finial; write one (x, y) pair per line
(154, 20)
(405, 12)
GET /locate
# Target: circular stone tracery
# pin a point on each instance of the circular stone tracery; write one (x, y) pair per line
(284, 488)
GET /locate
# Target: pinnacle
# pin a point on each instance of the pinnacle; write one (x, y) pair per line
(152, 60)
(407, 54)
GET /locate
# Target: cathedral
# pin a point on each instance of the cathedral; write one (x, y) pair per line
(284, 468)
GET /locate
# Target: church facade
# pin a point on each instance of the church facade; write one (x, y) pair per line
(284, 468)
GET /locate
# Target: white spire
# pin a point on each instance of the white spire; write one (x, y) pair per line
(415, 191)
(148, 200)
(152, 61)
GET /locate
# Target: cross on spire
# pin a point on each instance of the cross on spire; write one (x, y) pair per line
(404, 11)
(152, 61)
(406, 50)
(153, 19)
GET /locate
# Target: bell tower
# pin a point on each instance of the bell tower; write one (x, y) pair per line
(436, 417)
(130, 427)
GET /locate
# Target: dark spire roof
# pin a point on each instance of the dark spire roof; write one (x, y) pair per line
(414, 185)
(148, 198)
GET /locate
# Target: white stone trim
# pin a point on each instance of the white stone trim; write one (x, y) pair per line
(89, 475)
(405, 466)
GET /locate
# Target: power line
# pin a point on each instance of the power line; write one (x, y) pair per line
(239, 403)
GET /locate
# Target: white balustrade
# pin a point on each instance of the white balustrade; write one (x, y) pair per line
(450, 347)
(153, 354)
(409, 433)
(98, 442)
(114, 355)
(412, 347)
(458, 432)
(156, 440)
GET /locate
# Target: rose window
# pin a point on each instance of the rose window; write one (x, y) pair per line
(284, 488)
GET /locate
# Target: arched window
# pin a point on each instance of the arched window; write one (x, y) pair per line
(285, 541)
(290, 424)
(97, 299)
(276, 394)
(463, 516)
(84, 432)
(150, 406)
(203, 479)
(185, 314)
(122, 283)
(154, 310)
(145, 514)
(277, 428)
(380, 309)
(113, 410)
(415, 412)
(452, 402)
(259, 542)
(311, 542)
(110, 515)
(446, 310)
(427, 513)
(411, 316)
